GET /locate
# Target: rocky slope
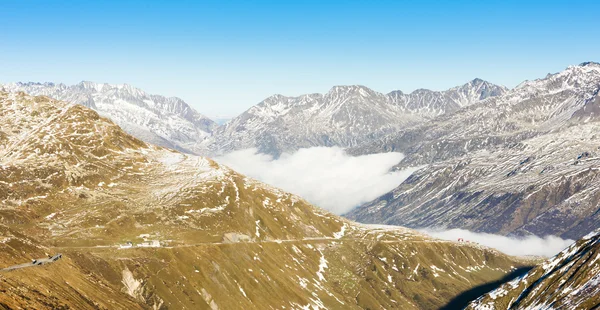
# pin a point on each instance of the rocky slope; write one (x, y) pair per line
(570, 280)
(345, 116)
(429, 104)
(521, 163)
(204, 237)
(168, 122)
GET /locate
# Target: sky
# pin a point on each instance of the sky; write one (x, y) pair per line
(222, 57)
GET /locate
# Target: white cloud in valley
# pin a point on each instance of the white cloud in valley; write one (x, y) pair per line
(325, 176)
(529, 245)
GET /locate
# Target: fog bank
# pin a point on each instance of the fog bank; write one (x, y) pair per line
(325, 176)
(530, 245)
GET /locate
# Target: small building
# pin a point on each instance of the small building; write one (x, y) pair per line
(127, 245)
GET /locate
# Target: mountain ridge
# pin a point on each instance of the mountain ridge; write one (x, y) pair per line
(166, 121)
(202, 235)
(170, 122)
(345, 116)
(494, 166)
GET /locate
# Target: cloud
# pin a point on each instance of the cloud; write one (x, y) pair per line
(530, 245)
(327, 177)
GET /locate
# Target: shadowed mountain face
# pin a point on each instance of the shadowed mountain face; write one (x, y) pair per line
(517, 164)
(203, 236)
(570, 280)
(461, 301)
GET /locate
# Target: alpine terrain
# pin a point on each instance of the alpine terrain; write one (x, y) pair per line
(570, 280)
(345, 116)
(525, 162)
(141, 226)
(168, 122)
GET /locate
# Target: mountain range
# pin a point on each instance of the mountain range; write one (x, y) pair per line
(513, 162)
(345, 116)
(165, 121)
(525, 162)
(141, 226)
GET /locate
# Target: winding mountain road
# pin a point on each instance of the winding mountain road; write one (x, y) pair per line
(35, 262)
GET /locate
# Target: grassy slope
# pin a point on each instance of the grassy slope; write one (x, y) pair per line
(72, 182)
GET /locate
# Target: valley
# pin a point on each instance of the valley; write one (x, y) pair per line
(299, 155)
(142, 226)
(76, 184)
(519, 164)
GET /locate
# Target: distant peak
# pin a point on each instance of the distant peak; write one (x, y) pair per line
(274, 100)
(421, 91)
(348, 88)
(589, 63)
(91, 86)
(352, 90)
(480, 83)
(275, 97)
(50, 84)
(86, 83)
(396, 93)
(103, 87)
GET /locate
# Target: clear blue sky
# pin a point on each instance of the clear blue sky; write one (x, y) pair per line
(224, 56)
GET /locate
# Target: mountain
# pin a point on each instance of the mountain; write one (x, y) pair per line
(168, 122)
(345, 116)
(140, 227)
(521, 163)
(570, 280)
(427, 103)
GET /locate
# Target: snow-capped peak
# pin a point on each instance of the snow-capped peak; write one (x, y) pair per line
(585, 75)
(345, 116)
(589, 63)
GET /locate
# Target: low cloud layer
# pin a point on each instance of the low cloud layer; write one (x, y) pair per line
(327, 177)
(530, 245)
